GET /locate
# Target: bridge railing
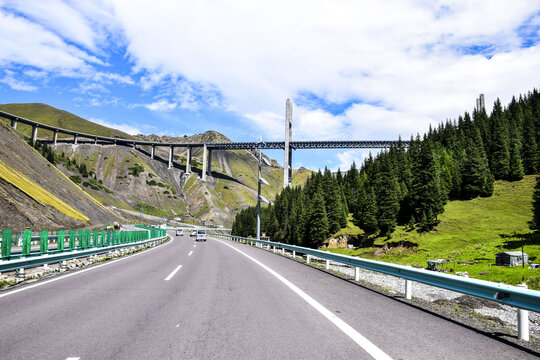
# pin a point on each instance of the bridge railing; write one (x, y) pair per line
(71, 244)
(502, 293)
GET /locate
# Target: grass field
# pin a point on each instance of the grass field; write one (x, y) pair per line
(469, 231)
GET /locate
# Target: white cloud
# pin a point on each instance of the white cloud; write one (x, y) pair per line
(346, 159)
(132, 130)
(160, 105)
(406, 57)
(404, 63)
(15, 84)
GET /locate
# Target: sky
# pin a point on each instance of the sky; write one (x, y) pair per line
(354, 69)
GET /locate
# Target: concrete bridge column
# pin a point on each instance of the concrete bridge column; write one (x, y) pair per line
(34, 133)
(55, 137)
(14, 123)
(170, 156)
(287, 163)
(204, 157)
(75, 138)
(209, 162)
(134, 146)
(188, 160)
(95, 141)
(153, 151)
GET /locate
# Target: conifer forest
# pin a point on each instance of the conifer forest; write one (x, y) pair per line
(458, 160)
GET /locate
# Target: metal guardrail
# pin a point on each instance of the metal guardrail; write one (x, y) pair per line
(502, 293)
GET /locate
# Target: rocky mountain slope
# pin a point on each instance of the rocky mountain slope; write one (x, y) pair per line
(34, 193)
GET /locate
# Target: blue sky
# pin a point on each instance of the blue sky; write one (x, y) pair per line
(355, 70)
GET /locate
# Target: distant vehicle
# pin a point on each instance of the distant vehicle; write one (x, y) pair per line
(201, 235)
(179, 232)
(193, 233)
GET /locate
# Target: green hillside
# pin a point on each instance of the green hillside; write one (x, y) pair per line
(470, 231)
(59, 118)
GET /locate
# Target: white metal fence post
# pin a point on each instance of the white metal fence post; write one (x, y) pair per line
(327, 264)
(308, 259)
(294, 254)
(523, 321)
(408, 289)
(356, 273)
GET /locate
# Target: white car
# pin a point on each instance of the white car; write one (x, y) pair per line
(179, 232)
(201, 235)
(193, 233)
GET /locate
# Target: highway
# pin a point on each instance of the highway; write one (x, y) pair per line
(223, 300)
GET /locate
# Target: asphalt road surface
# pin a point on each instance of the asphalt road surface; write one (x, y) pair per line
(223, 300)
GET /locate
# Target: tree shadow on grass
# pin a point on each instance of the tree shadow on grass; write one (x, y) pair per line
(514, 241)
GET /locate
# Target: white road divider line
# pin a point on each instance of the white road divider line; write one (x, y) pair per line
(191, 252)
(195, 245)
(363, 342)
(174, 272)
(84, 270)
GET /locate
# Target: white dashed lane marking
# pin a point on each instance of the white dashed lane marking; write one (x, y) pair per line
(174, 272)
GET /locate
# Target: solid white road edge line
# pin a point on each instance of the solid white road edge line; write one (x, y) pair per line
(364, 343)
(83, 271)
(174, 272)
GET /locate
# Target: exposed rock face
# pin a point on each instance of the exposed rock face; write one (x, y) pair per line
(341, 241)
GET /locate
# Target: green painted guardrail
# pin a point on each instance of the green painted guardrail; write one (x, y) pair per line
(103, 242)
(77, 240)
(506, 294)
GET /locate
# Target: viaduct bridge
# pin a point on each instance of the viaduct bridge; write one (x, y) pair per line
(288, 145)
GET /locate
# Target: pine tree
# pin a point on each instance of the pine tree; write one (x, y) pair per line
(476, 177)
(530, 147)
(387, 192)
(515, 169)
(368, 215)
(500, 154)
(318, 222)
(332, 198)
(426, 192)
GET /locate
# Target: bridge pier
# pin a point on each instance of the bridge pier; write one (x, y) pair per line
(14, 123)
(205, 150)
(171, 156)
(152, 151)
(75, 139)
(287, 163)
(34, 133)
(95, 141)
(188, 160)
(134, 146)
(55, 137)
(209, 162)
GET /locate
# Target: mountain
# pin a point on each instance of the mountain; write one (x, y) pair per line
(125, 178)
